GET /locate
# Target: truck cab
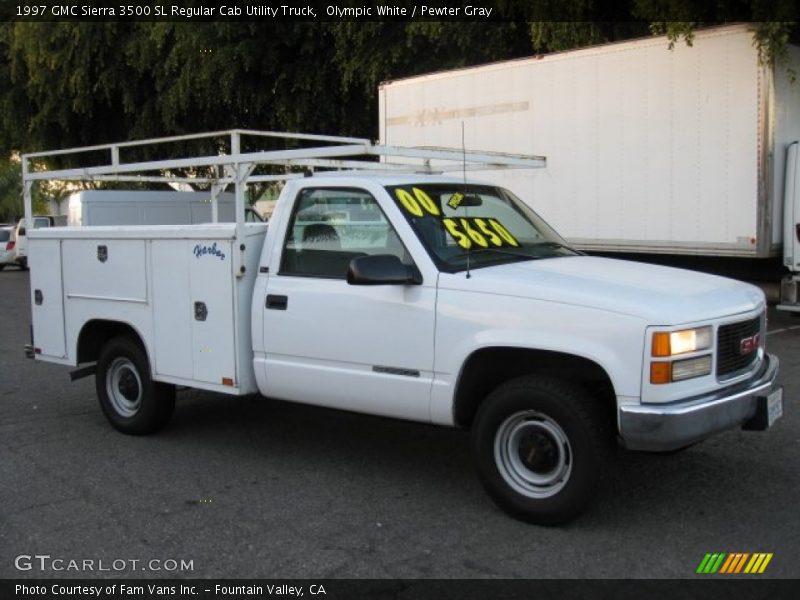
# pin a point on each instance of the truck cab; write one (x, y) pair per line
(449, 302)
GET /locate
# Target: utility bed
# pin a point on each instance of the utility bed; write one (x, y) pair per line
(181, 287)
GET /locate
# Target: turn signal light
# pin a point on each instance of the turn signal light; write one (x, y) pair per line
(660, 372)
(661, 344)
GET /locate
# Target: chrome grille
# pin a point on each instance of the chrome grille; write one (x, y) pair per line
(729, 346)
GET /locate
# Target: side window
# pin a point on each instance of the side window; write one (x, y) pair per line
(332, 226)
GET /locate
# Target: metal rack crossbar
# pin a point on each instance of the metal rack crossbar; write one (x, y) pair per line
(230, 165)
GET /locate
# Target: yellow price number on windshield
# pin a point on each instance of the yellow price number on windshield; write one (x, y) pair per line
(483, 233)
(417, 202)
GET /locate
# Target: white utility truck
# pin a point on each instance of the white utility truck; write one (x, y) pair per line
(399, 291)
(689, 151)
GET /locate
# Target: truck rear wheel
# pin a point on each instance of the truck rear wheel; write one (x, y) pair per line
(540, 445)
(132, 402)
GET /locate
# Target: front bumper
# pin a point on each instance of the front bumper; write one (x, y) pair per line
(661, 428)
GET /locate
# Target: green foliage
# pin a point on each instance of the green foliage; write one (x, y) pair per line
(556, 26)
(674, 30)
(66, 80)
(208, 76)
(370, 53)
(774, 21)
(10, 191)
(68, 84)
(772, 39)
(11, 208)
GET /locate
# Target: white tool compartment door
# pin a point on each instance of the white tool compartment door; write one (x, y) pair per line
(213, 337)
(47, 297)
(193, 310)
(172, 308)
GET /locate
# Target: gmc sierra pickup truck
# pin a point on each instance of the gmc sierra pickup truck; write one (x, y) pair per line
(414, 295)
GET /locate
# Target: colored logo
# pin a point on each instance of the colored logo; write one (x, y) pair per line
(734, 563)
(748, 345)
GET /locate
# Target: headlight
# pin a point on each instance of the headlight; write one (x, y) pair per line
(675, 343)
(691, 367)
(670, 343)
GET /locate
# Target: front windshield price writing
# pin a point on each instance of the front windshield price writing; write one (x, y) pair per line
(488, 223)
(483, 233)
(417, 205)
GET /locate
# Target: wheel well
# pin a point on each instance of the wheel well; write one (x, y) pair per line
(488, 368)
(96, 333)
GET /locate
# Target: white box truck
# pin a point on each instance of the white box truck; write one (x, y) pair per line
(649, 150)
(405, 293)
(138, 207)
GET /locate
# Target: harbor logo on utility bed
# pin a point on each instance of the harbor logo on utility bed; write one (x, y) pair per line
(212, 250)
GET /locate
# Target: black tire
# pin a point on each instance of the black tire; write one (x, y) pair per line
(540, 446)
(132, 402)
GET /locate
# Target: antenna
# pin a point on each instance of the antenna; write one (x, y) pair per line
(464, 172)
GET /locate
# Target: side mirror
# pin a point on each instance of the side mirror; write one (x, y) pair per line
(382, 269)
(21, 231)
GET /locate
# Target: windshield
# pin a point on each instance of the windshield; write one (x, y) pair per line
(471, 226)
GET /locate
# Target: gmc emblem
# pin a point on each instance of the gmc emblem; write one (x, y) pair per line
(748, 345)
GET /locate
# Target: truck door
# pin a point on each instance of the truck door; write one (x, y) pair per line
(355, 347)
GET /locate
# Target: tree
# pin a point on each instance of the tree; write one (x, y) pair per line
(10, 191)
(11, 208)
(366, 54)
(68, 84)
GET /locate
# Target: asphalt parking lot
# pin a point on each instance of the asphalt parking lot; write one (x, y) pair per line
(251, 487)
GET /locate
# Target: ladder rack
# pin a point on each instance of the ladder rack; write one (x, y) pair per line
(230, 165)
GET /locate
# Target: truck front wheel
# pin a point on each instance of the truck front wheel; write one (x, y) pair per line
(540, 445)
(132, 402)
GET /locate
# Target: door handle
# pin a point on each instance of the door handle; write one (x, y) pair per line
(200, 311)
(277, 302)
